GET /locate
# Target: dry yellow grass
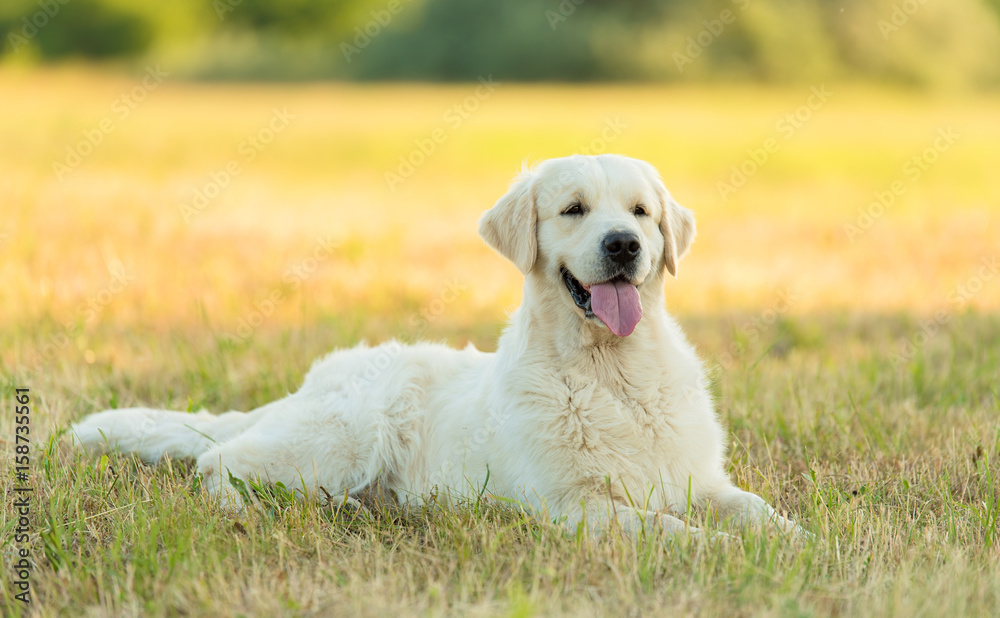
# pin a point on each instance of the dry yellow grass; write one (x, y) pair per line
(110, 297)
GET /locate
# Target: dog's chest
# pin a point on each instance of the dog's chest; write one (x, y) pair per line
(614, 418)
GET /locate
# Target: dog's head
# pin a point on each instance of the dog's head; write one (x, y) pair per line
(598, 227)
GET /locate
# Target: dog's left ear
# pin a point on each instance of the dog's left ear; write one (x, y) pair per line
(677, 227)
(509, 227)
(676, 223)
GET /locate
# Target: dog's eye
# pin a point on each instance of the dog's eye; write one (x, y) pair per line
(574, 209)
(639, 210)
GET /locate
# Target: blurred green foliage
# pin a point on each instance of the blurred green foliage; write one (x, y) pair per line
(929, 43)
(90, 28)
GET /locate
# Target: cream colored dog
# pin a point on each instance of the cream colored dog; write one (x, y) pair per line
(594, 408)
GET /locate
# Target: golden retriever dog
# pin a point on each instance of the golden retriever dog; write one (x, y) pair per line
(594, 410)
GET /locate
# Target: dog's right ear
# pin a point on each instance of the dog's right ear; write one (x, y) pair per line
(509, 227)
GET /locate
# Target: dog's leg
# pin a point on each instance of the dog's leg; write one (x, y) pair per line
(601, 517)
(749, 510)
(636, 521)
(277, 451)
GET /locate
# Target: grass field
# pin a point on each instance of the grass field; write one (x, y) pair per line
(855, 347)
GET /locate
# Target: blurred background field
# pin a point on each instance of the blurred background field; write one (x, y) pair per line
(808, 221)
(197, 199)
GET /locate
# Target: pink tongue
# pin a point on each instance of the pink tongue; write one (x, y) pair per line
(617, 305)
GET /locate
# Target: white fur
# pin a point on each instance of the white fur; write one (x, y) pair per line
(567, 418)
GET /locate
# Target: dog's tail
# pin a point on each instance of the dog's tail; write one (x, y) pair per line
(151, 434)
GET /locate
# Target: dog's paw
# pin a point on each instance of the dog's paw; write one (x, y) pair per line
(715, 537)
(228, 494)
(348, 509)
(711, 537)
(230, 501)
(802, 534)
(792, 529)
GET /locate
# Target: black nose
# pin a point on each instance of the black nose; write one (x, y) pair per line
(622, 247)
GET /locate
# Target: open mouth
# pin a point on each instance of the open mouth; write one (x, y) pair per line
(581, 295)
(614, 302)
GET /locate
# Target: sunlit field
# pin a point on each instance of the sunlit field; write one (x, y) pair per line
(192, 245)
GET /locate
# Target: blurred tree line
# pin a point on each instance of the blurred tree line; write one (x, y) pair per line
(933, 43)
